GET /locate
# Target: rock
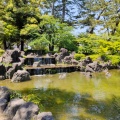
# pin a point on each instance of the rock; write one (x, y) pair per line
(3, 116)
(22, 60)
(36, 64)
(4, 93)
(61, 56)
(17, 66)
(13, 106)
(2, 70)
(63, 53)
(81, 66)
(11, 56)
(89, 69)
(93, 67)
(67, 59)
(74, 62)
(20, 76)
(2, 77)
(44, 116)
(3, 104)
(26, 111)
(88, 60)
(15, 56)
(88, 74)
(22, 53)
(10, 72)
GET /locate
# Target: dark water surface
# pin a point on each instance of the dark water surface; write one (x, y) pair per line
(72, 96)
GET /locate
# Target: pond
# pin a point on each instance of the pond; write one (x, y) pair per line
(72, 96)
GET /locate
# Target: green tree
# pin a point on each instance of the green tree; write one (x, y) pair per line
(104, 13)
(16, 14)
(52, 33)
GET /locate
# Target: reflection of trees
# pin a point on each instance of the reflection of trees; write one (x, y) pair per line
(62, 103)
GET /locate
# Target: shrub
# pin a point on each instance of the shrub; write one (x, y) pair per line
(114, 59)
(1, 52)
(79, 56)
(94, 56)
(105, 57)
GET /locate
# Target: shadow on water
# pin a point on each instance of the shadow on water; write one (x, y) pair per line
(61, 102)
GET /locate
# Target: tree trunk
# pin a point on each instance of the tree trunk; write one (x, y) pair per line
(53, 7)
(92, 28)
(22, 45)
(51, 47)
(63, 10)
(4, 44)
(114, 30)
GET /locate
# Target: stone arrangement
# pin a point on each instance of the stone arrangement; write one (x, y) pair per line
(18, 109)
(11, 66)
(12, 61)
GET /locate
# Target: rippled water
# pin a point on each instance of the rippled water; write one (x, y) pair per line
(72, 96)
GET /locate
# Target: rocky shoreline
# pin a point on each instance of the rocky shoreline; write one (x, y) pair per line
(12, 64)
(18, 109)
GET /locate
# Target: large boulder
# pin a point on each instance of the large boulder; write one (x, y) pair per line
(44, 116)
(26, 111)
(11, 56)
(13, 106)
(3, 104)
(2, 71)
(4, 93)
(4, 97)
(63, 52)
(10, 72)
(15, 67)
(67, 59)
(93, 67)
(20, 76)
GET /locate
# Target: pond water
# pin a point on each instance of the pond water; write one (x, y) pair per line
(72, 96)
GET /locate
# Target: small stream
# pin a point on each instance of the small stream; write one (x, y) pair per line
(73, 96)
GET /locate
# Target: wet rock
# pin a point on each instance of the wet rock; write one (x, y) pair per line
(26, 111)
(36, 64)
(20, 76)
(13, 106)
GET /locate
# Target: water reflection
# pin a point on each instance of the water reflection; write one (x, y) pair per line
(62, 75)
(99, 95)
(75, 97)
(43, 84)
